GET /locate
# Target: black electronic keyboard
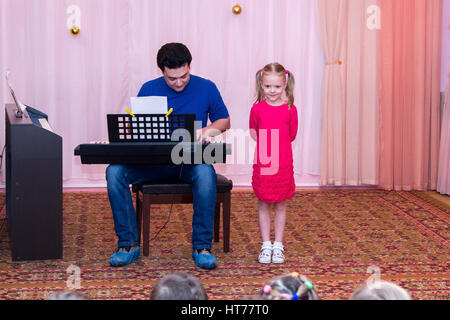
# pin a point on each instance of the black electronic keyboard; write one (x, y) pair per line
(153, 153)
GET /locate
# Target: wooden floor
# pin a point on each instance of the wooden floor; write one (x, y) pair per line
(441, 197)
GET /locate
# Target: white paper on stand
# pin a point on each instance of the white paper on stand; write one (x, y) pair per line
(149, 105)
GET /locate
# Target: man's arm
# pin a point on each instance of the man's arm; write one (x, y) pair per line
(214, 129)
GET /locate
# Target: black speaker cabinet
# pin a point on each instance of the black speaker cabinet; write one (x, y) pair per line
(33, 186)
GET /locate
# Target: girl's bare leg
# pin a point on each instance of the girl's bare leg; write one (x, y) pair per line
(264, 220)
(280, 220)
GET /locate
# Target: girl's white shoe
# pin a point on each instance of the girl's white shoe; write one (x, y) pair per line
(265, 256)
(278, 253)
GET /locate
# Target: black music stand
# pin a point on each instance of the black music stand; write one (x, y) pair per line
(150, 127)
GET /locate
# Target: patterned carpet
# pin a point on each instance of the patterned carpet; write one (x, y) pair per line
(332, 236)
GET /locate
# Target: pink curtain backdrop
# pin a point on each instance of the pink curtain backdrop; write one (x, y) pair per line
(443, 183)
(349, 144)
(370, 134)
(445, 58)
(409, 73)
(78, 80)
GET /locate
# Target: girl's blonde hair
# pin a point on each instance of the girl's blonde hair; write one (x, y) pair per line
(380, 290)
(280, 70)
(289, 287)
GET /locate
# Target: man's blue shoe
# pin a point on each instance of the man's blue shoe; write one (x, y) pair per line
(124, 256)
(204, 259)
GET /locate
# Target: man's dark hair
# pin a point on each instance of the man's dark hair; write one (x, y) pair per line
(173, 55)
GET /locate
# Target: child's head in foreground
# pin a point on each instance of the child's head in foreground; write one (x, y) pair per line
(380, 290)
(178, 286)
(67, 295)
(289, 287)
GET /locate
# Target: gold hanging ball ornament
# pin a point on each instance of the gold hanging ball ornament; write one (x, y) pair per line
(75, 31)
(237, 9)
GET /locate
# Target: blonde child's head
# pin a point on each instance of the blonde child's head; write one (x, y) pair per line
(289, 287)
(286, 80)
(380, 290)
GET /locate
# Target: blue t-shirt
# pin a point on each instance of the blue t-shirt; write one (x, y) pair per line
(200, 97)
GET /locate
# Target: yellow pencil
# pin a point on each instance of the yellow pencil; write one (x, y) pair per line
(129, 112)
(169, 112)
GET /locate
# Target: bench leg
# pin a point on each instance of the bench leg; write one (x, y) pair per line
(146, 224)
(139, 216)
(226, 215)
(217, 222)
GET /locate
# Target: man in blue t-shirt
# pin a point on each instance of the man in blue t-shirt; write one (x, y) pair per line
(186, 94)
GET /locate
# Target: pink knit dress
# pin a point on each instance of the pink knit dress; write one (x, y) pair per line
(273, 171)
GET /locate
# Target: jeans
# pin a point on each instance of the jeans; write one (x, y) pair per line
(202, 177)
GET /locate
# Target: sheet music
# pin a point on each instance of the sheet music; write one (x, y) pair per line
(18, 103)
(149, 105)
(44, 124)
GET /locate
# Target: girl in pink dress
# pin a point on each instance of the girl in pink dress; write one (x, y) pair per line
(273, 124)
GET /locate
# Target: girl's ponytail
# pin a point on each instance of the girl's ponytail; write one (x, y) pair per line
(259, 90)
(290, 88)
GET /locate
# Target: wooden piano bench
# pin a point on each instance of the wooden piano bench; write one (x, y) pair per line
(168, 192)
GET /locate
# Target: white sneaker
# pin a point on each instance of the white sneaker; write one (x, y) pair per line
(278, 253)
(265, 256)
